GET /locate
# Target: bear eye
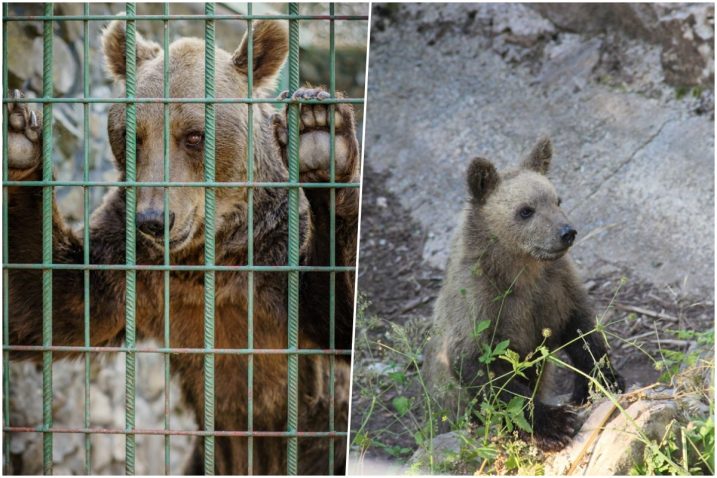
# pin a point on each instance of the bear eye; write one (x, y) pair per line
(560, 201)
(194, 139)
(526, 212)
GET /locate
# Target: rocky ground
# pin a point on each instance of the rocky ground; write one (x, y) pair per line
(632, 121)
(107, 382)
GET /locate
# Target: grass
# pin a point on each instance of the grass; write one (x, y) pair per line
(492, 436)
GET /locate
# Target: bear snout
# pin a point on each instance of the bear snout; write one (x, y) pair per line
(567, 234)
(151, 222)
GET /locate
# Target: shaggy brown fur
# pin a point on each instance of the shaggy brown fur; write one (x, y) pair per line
(511, 240)
(107, 246)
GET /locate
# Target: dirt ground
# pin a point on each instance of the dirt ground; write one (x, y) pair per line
(398, 287)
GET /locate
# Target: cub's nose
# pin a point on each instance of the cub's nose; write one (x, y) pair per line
(567, 234)
(151, 222)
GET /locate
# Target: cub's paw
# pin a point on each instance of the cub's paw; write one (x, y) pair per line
(315, 139)
(24, 138)
(554, 427)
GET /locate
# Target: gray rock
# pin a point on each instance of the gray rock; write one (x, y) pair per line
(64, 66)
(620, 444)
(444, 447)
(19, 62)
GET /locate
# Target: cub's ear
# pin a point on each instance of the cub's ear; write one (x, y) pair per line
(270, 47)
(113, 45)
(482, 179)
(539, 158)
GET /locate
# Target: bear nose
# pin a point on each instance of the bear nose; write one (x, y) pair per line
(151, 222)
(567, 234)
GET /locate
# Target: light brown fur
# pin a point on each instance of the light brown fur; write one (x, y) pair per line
(496, 250)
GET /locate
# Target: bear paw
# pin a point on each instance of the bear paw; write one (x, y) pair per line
(554, 427)
(315, 139)
(24, 138)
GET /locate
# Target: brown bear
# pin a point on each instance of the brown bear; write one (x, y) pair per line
(186, 239)
(509, 278)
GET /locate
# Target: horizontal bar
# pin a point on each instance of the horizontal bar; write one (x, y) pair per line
(176, 267)
(187, 184)
(92, 18)
(135, 431)
(275, 101)
(170, 350)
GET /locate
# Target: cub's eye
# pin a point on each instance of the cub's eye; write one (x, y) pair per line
(526, 212)
(194, 139)
(560, 201)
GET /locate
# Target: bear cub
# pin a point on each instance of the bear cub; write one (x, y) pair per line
(509, 278)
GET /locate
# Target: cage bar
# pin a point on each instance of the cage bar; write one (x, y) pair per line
(166, 177)
(7, 437)
(293, 302)
(86, 232)
(250, 244)
(332, 234)
(131, 244)
(47, 198)
(209, 211)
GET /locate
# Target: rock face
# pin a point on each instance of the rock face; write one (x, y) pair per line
(684, 32)
(633, 154)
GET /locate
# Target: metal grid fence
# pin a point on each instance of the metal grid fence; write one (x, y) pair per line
(293, 268)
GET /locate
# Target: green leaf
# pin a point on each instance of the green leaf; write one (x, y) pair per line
(522, 423)
(481, 327)
(501, 347)
(398, 377)
(401, 404)
(515, 406)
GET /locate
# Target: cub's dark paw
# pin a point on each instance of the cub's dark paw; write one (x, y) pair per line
(554, 427)
(24, 136)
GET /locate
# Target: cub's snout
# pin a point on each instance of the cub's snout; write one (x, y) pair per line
(567, 235)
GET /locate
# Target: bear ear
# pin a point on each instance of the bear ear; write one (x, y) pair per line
(539, 158)
(482, 179)
(114, 45)
(270, 47)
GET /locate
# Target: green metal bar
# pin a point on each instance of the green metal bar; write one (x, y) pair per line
(131, 245)
(189, 184)
(209, 219)
(165, 135)
(272, 101)
(178, 267)
(107, 18)
(47, 198)
(226, 433)
(86, 220)
(332, 236)
(176, 351)
(5, 259)
(250, 245)
(293, 302)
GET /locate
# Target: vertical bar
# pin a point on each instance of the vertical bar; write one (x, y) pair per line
(47, 199)
(250, 245)
(86, 219)
(131, 275)
(209, 197)
(332, 235)
(293, 312)
(5, 257)
(165, 135)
